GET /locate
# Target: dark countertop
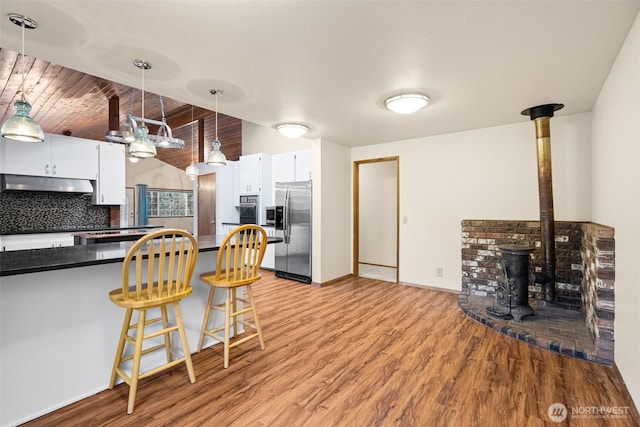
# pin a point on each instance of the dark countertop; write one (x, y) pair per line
(76, 230)
(37, 260)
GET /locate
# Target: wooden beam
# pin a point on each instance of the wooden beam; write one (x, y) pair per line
(201, 139)
(114, 113)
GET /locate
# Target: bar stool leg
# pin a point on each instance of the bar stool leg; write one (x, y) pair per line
(120, 350)
(227, 327)
(135, 371)
(207, 313)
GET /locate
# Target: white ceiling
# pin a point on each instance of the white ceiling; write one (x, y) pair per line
(331, 64)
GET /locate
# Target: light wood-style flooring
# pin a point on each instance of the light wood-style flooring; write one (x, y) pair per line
(363, 353)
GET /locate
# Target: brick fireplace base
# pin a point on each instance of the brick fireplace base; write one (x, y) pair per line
(580, 323)
(555, 329)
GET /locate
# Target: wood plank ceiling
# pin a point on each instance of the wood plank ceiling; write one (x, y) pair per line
(69, 102)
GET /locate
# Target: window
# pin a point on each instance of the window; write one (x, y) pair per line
(166, 203)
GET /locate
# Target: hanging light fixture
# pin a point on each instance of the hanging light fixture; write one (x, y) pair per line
(292, 130)
(142, 147)
(22, 127)
(192, 170)
(406, 103)
(215, 157)
(127, 133)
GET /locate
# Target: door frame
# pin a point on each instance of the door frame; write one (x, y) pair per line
(356, 210)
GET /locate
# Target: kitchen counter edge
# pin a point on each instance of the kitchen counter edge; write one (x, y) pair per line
(49, 259)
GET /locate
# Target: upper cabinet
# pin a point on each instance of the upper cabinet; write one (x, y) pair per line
(110, 186)
(291, 166)
(74, 157)
(254, 173)
(254, 177)
(302, 165)
(58, 156)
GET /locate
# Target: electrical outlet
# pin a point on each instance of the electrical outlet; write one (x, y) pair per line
(439, 272)
(405, 219)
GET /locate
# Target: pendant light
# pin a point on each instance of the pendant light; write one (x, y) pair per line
(192, 170)
(22, 127)
(215, 157)
(142, 147)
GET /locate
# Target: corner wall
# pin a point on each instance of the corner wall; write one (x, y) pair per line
(486, 173)
(616, 195)
(332, 216)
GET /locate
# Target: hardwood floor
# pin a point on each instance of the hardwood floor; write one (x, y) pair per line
(364, 353)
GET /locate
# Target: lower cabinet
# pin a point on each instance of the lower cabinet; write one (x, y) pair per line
(18, 242)
(269, 260)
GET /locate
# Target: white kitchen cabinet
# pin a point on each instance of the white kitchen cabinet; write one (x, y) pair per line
(25, 158)
(58, 156)
(110, 185)
(291, 166)
(254, 177)
(250, 172)
(74, 157)
(17, 242)
(302, 165)
(269, 260)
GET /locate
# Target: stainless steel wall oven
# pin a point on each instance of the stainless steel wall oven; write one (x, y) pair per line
(249, 209)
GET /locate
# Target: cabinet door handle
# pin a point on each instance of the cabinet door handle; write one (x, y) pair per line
(54, 169)
(46, 169)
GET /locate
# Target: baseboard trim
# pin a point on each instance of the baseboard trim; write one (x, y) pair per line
(333, 281)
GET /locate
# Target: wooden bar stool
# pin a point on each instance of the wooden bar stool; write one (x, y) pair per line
(238, 266)
(161, 279)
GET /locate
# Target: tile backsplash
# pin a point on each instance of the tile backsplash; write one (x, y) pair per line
(32, 210)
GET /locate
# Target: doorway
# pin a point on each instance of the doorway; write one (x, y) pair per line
(127, 215)
(376, 212)
(207, 204)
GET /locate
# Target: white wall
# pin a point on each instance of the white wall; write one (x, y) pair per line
(332, 219)
(261, 139)
(616, 190)
(480, 174)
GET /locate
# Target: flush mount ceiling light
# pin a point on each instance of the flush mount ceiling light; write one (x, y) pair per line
(292, 130)
(22, 127)
(142, 147)
(192, 170)
(216, 157)
(406, 103)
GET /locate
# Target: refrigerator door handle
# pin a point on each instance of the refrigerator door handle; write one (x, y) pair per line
(285, 218)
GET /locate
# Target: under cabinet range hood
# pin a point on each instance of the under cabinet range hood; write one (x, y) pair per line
(43, 183)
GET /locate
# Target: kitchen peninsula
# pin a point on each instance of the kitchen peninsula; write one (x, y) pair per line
(58, 328)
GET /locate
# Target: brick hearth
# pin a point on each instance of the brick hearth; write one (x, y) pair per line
(580, 323)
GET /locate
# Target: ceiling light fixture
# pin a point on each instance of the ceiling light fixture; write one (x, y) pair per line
(292, 130)
(142, 147)
(126, 134)
(406, 103)
(216, 157)
(22, 127)
(192, 170)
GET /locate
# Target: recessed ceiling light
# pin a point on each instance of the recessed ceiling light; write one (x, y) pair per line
(407, 103)
(292, 130)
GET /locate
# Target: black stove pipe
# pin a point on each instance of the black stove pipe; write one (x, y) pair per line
(541, 115)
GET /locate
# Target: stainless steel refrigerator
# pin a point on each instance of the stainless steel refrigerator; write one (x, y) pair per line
(293, 225)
